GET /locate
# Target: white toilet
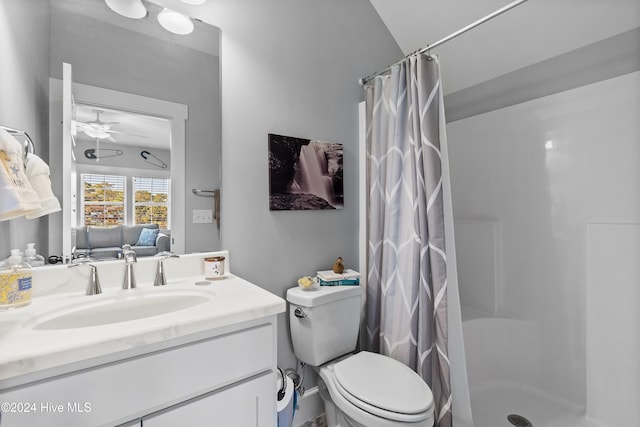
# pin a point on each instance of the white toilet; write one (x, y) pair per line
(363, 389)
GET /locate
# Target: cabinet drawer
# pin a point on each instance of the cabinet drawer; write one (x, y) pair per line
(133, 387)
(248, 404)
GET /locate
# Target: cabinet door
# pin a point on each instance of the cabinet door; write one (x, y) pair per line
(134, 423)
(245, 404)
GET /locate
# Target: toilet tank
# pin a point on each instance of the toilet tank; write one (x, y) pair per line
(324, 323)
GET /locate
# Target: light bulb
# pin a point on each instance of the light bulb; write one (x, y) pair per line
(96, 133)
(133, 9)
(175, 22)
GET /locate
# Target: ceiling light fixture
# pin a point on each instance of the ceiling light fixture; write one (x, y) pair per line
(133, 9)
(175, 22)
(194, 2)
(96, 133)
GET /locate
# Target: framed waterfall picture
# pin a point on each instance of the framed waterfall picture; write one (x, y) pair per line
(304, 174)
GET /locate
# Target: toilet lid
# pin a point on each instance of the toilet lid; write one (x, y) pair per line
(383, 383)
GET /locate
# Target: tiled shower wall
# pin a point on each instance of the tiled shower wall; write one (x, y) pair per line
(546, 197)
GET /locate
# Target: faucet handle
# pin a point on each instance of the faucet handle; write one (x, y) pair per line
(94, 282)
(93, 288)
(161, 279)
(166, 254)
(81, 260)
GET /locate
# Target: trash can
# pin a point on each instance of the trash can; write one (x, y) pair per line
(286, 403)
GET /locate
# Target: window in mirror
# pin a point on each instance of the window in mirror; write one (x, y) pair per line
(151, 201)
(103, 199)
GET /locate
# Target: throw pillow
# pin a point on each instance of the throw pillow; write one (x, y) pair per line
(147, 237)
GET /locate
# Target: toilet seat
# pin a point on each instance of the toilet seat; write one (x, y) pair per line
(383, 387)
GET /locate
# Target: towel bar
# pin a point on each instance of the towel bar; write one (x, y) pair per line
(28, 146)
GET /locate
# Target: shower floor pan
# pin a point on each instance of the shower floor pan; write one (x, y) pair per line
(491, 404)
(503, 365)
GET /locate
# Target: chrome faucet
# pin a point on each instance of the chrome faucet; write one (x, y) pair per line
(161, 279)
(93, 288)
(130, 258)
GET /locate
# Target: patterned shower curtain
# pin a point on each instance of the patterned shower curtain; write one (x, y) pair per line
(406, 308)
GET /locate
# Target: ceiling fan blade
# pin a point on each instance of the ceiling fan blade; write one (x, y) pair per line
(127, 133)
(103, 130)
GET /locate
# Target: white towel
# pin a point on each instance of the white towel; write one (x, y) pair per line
(38, 174)
(17, 197)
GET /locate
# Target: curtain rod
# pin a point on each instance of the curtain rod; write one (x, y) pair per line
(480, 21)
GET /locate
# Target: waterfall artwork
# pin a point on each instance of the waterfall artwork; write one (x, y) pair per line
(304, 174)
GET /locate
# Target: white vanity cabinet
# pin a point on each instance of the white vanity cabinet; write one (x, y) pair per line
(220, 377)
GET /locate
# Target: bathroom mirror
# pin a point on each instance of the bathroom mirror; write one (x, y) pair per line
(134, 59)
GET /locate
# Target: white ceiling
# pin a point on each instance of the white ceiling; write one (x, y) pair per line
(532, 32)
(128, 128)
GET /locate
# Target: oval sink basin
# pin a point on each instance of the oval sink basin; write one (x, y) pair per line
(118, 309)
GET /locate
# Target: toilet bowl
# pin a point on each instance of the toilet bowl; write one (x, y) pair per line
(359, 390)
(371, 390)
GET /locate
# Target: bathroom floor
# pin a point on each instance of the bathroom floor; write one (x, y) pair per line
(320, 421)
(492, 404)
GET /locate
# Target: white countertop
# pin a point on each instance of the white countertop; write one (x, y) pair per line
(25, 350)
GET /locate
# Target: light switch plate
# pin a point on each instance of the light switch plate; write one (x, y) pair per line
(202, 216)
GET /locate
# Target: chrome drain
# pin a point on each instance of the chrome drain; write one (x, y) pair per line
(519, 420)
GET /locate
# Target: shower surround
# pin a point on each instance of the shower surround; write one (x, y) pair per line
(546, 196)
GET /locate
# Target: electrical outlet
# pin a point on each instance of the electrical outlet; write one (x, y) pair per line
(202, 216)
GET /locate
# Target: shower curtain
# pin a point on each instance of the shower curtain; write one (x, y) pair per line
(406, 297)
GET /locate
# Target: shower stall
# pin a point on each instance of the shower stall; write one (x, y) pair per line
(546, 203)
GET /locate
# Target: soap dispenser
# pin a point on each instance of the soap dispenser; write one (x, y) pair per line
(15, 282)
(31, 257)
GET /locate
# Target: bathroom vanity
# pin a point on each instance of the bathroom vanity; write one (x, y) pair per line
(181, 354)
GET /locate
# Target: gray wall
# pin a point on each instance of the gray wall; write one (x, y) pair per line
(131, 62)
(130, 157)
(24, 97)
(291, 67)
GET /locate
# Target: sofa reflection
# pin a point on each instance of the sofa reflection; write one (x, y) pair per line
(102, 243)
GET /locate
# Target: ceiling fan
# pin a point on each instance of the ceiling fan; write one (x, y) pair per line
(99, 129)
